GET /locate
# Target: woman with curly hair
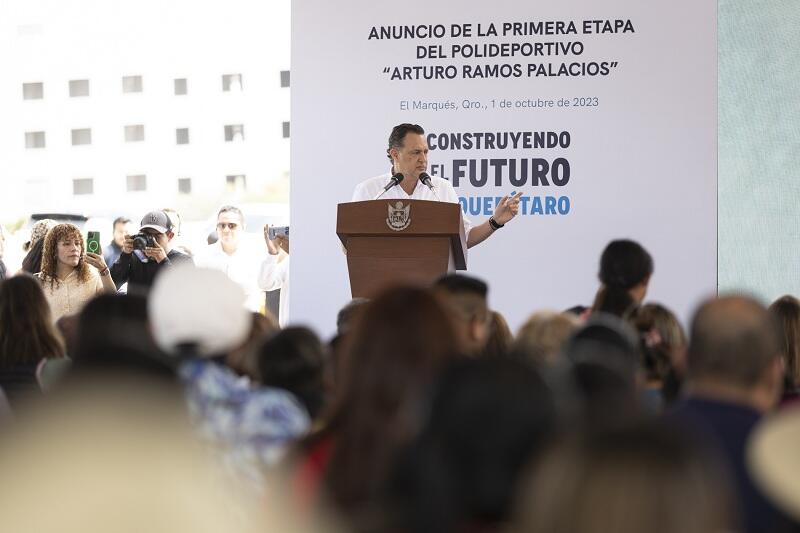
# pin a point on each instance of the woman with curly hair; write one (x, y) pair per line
(66, 276)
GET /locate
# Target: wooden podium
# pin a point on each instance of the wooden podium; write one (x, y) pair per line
(399, 241)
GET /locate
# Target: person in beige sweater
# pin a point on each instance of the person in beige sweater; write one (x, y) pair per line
(70, 275)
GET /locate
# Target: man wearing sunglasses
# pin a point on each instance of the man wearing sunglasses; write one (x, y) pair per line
(235, 255)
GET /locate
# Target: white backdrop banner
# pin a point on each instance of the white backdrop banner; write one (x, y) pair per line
(602, 114)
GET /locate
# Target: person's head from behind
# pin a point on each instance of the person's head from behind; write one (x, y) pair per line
(640, 478)
(488, 418)
(230, 225)
(605, 371)
(663, 341)
(625, 270)
(27, 333)
(345, 319)
(67, 327)
(467, 299)
(408, 150)
(293, 360)
(346, 316)
(108, 450)
(197, 312)
(734, 352)
(243, 359)
(662, 328)
(38, 232)
(542, 337)
(399, 340)
(398, 344)
(786, 310)
(122, 226)
(32, 262)
(114, 335)
(500, 338)
(63, 252)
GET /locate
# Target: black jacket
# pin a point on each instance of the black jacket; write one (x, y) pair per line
(141, 275)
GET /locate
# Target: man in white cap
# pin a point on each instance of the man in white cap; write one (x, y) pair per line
(199, 315)
(147, 253)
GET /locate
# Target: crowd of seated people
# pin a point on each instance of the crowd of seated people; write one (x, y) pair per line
(180, 408)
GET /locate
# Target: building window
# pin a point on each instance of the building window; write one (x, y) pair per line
(78, 88)
(235, 182)
(181, 87)
(182, 135)
(34, 139)
(284, 78)
(285, 130)
(184, 185)
(232, 82)
(81, 136)
(234, 133)
(82, 186)
(136, 183)
(134, 133)
(132, 84)
(33, 91)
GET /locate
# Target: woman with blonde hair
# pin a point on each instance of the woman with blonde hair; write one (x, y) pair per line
(542, 338)
(663, 346)
(644, 477)
(70, 276)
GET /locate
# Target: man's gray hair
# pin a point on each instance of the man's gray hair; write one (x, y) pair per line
(231, 209)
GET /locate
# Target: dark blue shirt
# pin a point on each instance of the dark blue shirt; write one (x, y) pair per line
(727, 428)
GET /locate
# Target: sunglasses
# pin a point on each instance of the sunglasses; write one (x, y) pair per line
(230, 225)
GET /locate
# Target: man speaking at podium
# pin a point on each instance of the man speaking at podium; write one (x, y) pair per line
(408, 180)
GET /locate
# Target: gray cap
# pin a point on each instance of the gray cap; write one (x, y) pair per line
(157, 220)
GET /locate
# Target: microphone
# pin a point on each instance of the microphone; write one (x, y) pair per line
(426, 180)
(395, 180)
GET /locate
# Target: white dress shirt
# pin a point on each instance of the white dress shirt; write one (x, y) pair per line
(369, 189)
(243, 266)
(275, 275)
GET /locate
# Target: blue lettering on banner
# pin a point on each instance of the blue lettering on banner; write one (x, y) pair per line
(528, 205)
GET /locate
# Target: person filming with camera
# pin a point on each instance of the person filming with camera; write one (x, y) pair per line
(145, 254)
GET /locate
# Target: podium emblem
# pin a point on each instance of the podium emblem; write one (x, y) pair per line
(399, 216)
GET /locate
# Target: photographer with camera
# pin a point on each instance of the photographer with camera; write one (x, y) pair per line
(145, 254)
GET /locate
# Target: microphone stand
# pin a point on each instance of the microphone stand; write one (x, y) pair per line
(426, 180)
(394, 180)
